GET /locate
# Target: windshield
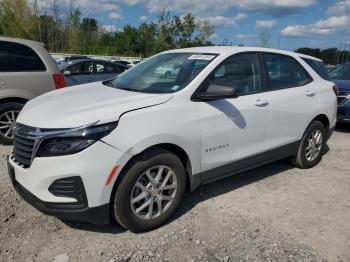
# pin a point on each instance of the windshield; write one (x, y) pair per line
(341, 72)
(164, 73)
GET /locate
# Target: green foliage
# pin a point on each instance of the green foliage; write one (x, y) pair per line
(73, 33)
(330, 56)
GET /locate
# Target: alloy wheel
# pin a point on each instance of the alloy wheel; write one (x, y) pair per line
(314, 145)
(153, 192)
(7, 121)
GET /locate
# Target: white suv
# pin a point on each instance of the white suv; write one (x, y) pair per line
(128, 148)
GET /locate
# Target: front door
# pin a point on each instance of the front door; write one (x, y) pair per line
(234, 129)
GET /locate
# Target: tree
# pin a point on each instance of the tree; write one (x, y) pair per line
(265, 39)
(16, 18)
(205, 33)
(74, 37)
(67, 30)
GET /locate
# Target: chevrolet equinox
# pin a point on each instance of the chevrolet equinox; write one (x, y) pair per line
(127, 148)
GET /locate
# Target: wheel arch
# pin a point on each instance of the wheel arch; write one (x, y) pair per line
(13, 99)
(323, 119)
(192, 181)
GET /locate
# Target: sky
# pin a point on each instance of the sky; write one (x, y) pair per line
(291, 23)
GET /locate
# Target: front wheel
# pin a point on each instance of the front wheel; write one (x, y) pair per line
(311, 146)
(150, 191)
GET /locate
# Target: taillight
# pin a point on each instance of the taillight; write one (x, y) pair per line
(59, 81)
(336, 90)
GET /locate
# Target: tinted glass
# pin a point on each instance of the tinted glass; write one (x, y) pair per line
(75, 69)
(318, 67)
(87, 68)
(241, 72)
(341, 72)
(18, 58)
(106, 68)
(284, 72)
(163, 73)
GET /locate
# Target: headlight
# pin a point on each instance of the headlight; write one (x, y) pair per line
(67, 143)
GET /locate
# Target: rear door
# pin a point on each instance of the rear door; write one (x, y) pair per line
(105, 70)
(293, 96)
(22, 72)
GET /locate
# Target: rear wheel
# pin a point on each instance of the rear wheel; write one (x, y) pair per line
(8, 115)
(150, 191)
(311, 146)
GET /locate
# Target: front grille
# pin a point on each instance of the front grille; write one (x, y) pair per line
(23, 145)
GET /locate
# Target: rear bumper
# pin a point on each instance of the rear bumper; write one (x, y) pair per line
(69, 211)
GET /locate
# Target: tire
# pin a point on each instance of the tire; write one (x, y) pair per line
(8, 110)
(125, 212)
(303, 158)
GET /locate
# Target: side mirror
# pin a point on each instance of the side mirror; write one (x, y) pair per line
(217, 92)
(67, 73)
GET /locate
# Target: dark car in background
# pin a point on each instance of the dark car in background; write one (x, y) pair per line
(341, 77)
(87, 70)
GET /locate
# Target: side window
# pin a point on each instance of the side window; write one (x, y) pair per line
(318, 67)
(87, 68)
(75, 69)
(16, 57)
(284, 72)
(241, 72)
(106, 68)
(121, 69)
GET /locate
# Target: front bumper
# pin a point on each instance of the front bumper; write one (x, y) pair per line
(93, 165)
(69, 211)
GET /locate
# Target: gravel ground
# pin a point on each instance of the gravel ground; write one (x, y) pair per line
(273, 213)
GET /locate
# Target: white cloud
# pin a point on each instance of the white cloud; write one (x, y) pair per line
(224, 21)
(339, 8)
(115, 16)
(87, 7)
(202, 8)
(143, 19)
(322, 27)
(265, 23)
(220, 7)
(244, 36)
(333, 22)
(109, 28)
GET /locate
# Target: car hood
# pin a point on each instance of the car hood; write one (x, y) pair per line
(343, 85)
(84, 104)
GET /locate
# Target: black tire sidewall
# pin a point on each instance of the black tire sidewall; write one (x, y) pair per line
(122, 209)
(9, 106)
(315, 125)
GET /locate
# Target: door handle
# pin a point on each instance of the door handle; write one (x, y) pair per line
(309, 93)
(261, 103)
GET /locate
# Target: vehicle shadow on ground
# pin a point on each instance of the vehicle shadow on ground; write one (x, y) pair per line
(203, 193)
(229, 184)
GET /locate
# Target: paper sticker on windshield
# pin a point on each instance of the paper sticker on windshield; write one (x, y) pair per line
(202, 57)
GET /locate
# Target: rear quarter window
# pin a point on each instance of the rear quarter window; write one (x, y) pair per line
(318, 67)
(15, 57)
(284, 72)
